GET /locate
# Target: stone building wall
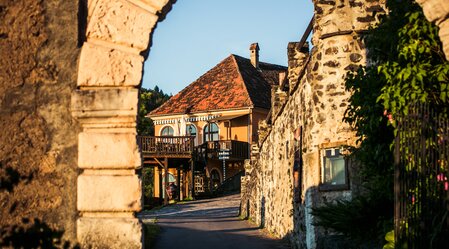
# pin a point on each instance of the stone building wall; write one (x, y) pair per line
(38, 138)
(316, 106)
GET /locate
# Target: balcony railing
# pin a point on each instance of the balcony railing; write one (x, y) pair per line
(166, 145)
(183, 146)
(238, 149)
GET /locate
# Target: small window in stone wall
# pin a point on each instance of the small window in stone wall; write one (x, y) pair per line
(334, 170)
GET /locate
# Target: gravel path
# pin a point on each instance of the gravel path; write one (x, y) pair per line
(211, 224)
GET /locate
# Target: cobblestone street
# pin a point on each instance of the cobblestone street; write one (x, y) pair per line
(211, 223)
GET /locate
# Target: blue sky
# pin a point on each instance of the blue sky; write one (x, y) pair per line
(198, 34)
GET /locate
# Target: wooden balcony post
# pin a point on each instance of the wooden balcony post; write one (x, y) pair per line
(160, 185)
(192, 166)
(166, 181)
(178, 182)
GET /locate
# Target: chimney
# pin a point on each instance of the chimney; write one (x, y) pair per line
(254, 48)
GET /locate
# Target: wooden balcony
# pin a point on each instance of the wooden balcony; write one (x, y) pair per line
(183, 147)
(238, 149)
(165, 146)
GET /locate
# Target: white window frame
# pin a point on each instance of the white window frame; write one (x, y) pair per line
(326, 186)
(197, 133)
(204, 133)
(165, 126)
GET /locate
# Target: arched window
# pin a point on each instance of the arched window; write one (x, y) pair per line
(191, 130)
(211, 132)
(167, 131)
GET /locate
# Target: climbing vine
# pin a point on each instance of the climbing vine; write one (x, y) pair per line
(416, 69)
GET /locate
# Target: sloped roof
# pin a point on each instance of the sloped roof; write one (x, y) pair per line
(232, 84)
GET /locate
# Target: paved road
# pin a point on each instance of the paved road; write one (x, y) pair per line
(208, 224)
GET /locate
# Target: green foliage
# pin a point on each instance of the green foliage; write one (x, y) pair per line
(148, 182)
(150, 99)
(151, 232)
(416, 69)
(367, 117)
(360, 219)
(389, 237)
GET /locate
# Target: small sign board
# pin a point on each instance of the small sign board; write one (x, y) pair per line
(223, 154)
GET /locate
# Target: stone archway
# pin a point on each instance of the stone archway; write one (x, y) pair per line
(105, 104)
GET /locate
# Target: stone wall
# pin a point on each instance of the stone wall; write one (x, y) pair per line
(315, 105)
(38, 138)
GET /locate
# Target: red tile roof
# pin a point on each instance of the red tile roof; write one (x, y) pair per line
(232, 84)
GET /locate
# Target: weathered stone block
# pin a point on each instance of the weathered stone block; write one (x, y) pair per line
(104, 103)
(104, 66)
(434, 10)
(109, 233)
(108, 151)
(444, 37)
(156, 4)
(110, 193)
(122, 23)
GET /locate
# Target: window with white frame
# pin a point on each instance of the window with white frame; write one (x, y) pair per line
(167, 131)
(191, 130)
(334, 168)
(211, 132)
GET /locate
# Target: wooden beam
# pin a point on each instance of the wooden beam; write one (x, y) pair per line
(166, 181)
(160, 187)
(178, 182)
(307, 33)
(150, 162)
(159, 162)
(192, 166)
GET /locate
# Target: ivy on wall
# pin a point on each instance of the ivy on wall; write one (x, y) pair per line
(415, 68)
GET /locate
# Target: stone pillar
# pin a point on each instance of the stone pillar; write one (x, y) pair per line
(110, 69)
(437, 11)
